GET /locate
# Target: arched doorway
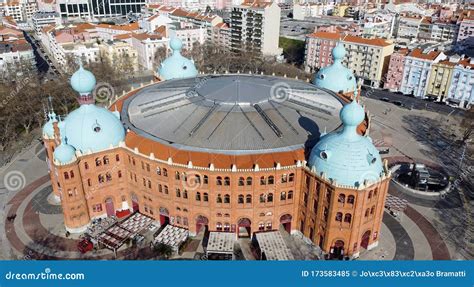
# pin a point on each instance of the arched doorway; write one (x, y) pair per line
(364, 243)
(244, 227)
(109, 207)
(337, 251)
(164, 216)
(285, 220)
(201, 221)
(135, 205)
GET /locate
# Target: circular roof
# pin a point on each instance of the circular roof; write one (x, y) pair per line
(233, 114)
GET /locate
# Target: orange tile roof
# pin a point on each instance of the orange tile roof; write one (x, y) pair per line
(372, 42)
(418, 53)
(144, 36)
(128, 27)
(123, 36)
(326, 35)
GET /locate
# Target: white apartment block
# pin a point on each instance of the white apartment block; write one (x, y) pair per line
(417, 71)
(255, 27)
(436, 31)
(189, 36)
(461, 89)
(305, 10)
(146, 46)
(42, 19)
(407, 28)
(20, 10)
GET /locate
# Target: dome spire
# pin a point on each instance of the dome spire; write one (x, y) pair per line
(176, 66)
(83, 82)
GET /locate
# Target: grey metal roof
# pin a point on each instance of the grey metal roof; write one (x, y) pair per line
(233, 113)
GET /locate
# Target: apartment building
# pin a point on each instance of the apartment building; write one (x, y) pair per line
(15, 51)
(394, 76)
(466, 32)
(255, 27)
(437, 31)
(146, 46)
(42, 19)
(304, 10)
(367, 58)
(20, 10)
(220, 35)
(461, 87)
(440, 78)
(119, 53)
(407, 27)
(417, 70)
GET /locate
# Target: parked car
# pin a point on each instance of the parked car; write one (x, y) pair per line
(398, 103)
(385, 99)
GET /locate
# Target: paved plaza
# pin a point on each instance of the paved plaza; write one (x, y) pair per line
(427, 229)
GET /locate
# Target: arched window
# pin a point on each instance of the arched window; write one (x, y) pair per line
(98, 162)
(177, 175)
(219, 214)
(290, 194)
(219, 198)
(348, 218)
(185, 221)
(271, 179)
(372, 210)
(241, 181)
(350, 199)
(197, 179)
(262, 198)
(226, 198)
(149, 183)
(249, 180)
(165, 172)
(178, 192)
(66, 175)
(291, 177)
(117, 157)
(160, 188)
(119, 174)
(283, 195)
(270, 197)
(106, 159)
(185, 194)
(284, 178)
(226, 181)
(339, 216)
(205, 197)
(158, 171)
(240, 199)
(178, 219)
(248, 198)
(101, 178)
(261, 226)
(370, 194)
(166, 189)
(367, 213)
(71, 174)
(342, 198)
(219, 226)
(219, 180)
(263, 181)
(205, 179)
(198, 196)
(375, 192)
(86, 165)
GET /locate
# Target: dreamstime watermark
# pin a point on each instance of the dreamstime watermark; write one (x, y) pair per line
(280, 92)
(456, 183)
(14, 180)
(199, 83)
(103, 92)
(193, 181)
(23, 82)
(44, 275)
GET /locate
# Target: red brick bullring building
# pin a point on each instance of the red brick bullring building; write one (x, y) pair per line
(236, 153)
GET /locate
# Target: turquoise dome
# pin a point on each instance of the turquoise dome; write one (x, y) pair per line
(48, 128)
(83, 81)
(93, 128)
(176, 66)
(336, 77)
(344, 155)
(64, 153)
